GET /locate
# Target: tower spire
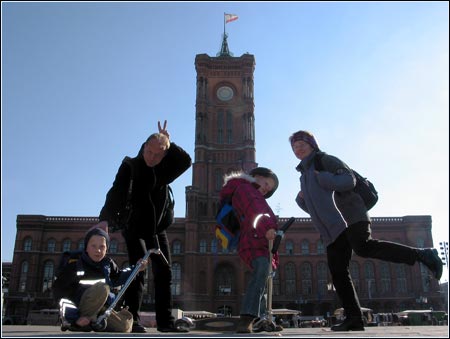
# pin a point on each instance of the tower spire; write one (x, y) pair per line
(224, 50)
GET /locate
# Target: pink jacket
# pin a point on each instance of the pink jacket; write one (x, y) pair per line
(255, 215)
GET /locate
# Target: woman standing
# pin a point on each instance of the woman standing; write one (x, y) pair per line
(340, 216)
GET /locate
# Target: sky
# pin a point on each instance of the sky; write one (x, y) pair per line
(85, 83)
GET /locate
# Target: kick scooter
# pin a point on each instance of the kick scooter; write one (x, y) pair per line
(101, 322)
(266, 323)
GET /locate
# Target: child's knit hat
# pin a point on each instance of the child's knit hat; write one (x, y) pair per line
(306, 137)
(96, 231)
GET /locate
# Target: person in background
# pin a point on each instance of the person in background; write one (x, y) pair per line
(340, 216)
(258, 225)
(158, 163)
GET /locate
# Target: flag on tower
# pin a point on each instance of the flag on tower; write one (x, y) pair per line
(230, 17)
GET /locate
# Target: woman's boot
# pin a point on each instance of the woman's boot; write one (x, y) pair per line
(245, 324)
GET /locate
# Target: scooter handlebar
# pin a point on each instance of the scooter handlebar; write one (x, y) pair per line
(280, 234)
(287, 224)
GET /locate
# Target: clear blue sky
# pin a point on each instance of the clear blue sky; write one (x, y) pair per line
(84, 84)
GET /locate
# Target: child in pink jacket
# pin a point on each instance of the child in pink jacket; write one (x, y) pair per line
(258, 225)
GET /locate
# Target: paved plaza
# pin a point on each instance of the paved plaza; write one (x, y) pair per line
(380, 331)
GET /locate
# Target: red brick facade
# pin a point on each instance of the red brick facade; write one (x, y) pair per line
(205, 279)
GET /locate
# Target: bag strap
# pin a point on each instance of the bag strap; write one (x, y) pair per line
(169, 194)
(128, 161)
(318, 161)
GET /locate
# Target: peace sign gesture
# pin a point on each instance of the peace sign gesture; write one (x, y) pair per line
(164, 129)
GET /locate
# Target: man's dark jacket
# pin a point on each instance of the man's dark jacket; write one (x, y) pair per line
(149, 191)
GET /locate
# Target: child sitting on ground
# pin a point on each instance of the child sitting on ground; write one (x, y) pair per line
(86, 279)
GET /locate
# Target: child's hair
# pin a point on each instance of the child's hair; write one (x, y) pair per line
(267, 173)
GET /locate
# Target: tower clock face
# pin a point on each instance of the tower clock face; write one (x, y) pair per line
(225, 93)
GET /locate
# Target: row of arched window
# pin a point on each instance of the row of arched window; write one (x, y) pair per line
(66, 245)
(215, 247)
(225, 278)
(389, 272)
(49, 274)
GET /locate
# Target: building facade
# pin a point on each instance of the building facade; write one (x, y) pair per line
(204, 276)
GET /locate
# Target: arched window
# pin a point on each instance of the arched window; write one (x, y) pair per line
(214, 246)
(322, 278)
(176, 247)
(400, 275)
(113, 246)
(27, 244)
(291, 288)
(289, 247)
(203, 246)
(229, 127)
(305, 247)
(176, 279)
(48, 275)
(66, 245)
(220, 127)
(423, 269)
(23, 277)
(385, 274)
(420, 242)
(81, 244)
(369, 273)
(276, 284)
(51, 245)
(218, 179)
(320, 247)
(354, 272)
(306, 274)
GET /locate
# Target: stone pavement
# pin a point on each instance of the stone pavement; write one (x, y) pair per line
(28, 331)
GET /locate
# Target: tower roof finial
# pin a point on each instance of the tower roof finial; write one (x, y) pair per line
(224, 50)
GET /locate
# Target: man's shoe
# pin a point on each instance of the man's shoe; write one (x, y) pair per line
(349, 324)
(430, 258)
(138, 328)
(172, 328)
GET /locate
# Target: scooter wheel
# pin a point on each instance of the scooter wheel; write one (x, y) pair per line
(181, 324)
(99, 326)
(270, 327)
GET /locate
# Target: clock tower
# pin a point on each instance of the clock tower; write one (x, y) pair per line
(224, 142)
(225, 127)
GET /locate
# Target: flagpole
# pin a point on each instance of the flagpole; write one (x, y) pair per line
(224, 23)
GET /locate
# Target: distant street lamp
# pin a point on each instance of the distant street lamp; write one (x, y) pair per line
(444, 252)
(331, 313)
(331, 288)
